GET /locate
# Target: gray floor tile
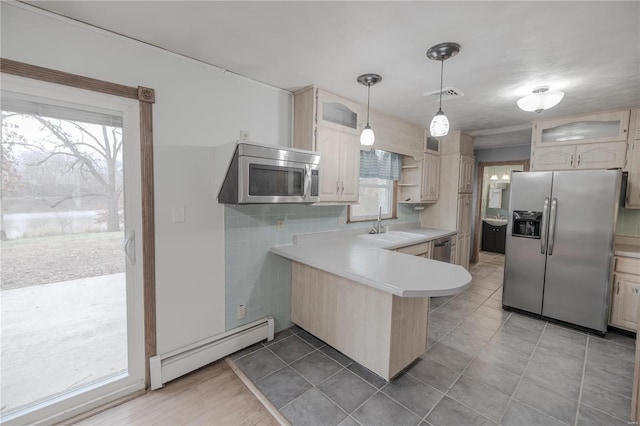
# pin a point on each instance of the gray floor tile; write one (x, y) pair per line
(315, 367)
(614, 337)
(413, 394)
(246, 351)
(513, 343)
(481, 290)
(435, 302)
(543, 399)
(518, 414)
(464, 341)
(347, 390)
(312, 409)
(611, 364)
(259, 364)
(564, 340)
(448, 315)
(433, 374)
(570, 366)
(279, 336)
(451, 413)
(367, 375)
(551, 376)
(493, 303)
(606, 348)
(604, 400)
(527, 322)
(291, 349)
(493, 375)
(349, 421)
(588, 416)
(492, 312)
(514, 329)
(439, 328)
(381, 410)
(486, 400)
(613, 382)
(449, 357)
(311, 339)
(474, 297)
(504, 357)
(337, 356)
(479, 327)
(283, 386)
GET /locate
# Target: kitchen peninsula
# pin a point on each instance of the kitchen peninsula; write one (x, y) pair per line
(353, 291)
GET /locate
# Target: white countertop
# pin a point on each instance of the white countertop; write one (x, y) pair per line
(371, 261)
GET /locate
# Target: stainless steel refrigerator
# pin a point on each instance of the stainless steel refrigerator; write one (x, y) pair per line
(560, 244)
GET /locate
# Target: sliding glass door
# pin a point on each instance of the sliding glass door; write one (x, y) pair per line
(71, 273)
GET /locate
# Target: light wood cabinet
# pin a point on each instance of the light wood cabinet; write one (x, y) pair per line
(453, 208)
(420, 250)
(580, 157)
(625, 300)
(465, 180)
(454, 250)
(593, 141)
(633, 162)
(430, 183)
(338, 113)
(339, 165)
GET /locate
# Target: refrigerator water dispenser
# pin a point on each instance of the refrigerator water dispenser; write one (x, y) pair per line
(526, 224)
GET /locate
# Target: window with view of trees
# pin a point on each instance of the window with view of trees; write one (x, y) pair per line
(375, 193)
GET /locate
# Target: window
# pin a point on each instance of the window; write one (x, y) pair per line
(374, 194)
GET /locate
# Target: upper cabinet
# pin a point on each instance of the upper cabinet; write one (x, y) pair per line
(603, 127)
(431, 144)
(465, 178)
(593, 141)
(633, 162)
(338, 113)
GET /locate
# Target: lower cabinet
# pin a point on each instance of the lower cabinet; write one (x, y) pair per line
(493, 237)
(625, 300)
(421, 250)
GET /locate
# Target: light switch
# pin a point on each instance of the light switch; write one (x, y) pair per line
(179, 214)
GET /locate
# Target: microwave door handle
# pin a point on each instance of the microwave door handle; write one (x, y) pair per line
(552, 225)
(307, 182)
(543, 226)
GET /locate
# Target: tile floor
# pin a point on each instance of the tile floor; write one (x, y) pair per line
(484, 366)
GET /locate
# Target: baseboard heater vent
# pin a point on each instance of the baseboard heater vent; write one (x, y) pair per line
(169, 366)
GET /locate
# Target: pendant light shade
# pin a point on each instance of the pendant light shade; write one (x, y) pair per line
(440, 52)
(505, 176)
(494, 177)
(367, 137)
(540, 99)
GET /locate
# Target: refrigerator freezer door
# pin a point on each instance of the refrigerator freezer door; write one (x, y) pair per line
(524, 259)
(578, 269)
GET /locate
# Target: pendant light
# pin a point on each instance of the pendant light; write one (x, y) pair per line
(505, 176)
(440, 52)
(540, 99)
(367, 137)
(494, 177)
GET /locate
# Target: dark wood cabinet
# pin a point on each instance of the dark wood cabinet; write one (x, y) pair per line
(493, 237)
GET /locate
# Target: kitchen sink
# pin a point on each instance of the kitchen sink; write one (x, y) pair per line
(496, 222)
(393, 236)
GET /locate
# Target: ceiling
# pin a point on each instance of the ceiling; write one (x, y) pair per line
(590, 50)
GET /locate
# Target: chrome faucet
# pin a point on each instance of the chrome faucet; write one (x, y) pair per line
(377, 226)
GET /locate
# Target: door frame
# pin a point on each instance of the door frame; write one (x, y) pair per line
(146, 98)
(479, 183)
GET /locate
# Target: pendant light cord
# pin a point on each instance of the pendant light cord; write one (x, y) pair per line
(441, 73)
(368, 99)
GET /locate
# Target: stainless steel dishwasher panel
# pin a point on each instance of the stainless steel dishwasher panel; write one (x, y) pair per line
(442, 249)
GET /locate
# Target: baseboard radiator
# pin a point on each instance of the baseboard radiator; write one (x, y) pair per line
(169, 366)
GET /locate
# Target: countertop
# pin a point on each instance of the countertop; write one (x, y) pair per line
(352, 255)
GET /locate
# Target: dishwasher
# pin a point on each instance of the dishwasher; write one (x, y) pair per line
(442, 249)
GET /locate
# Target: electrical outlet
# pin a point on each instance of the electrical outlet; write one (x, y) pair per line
(242, 312)
(280, 224)
(244, 135)
(179, 215)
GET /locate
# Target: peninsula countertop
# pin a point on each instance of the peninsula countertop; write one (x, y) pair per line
(357, 256)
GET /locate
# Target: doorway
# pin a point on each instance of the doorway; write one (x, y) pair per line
(492, 204)
(71, 279)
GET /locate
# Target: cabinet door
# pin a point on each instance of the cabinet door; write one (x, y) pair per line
(501, 238)
(634, 124)
(553, 158)
(464, 214)
(454, 253)
(338, 113)
(626, 301)
(349, 167)
(633, 181)
(602, 127)
(601, 155)
(430, 178)
(328, 145)
(465, 178)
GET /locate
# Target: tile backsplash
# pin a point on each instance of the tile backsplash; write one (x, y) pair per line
(628, 222)
(261, 280)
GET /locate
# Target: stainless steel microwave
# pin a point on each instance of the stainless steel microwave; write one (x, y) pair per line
(261, 174)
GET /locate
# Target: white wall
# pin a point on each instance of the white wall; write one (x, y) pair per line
(197, 108)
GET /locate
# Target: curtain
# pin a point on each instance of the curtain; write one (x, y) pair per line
(380, 164)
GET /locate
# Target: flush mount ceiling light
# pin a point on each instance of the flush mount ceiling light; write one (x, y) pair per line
(367, 137)
(540, 99)
(440, 52)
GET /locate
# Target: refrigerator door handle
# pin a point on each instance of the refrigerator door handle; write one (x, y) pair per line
(552, 225)
(543, 225)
